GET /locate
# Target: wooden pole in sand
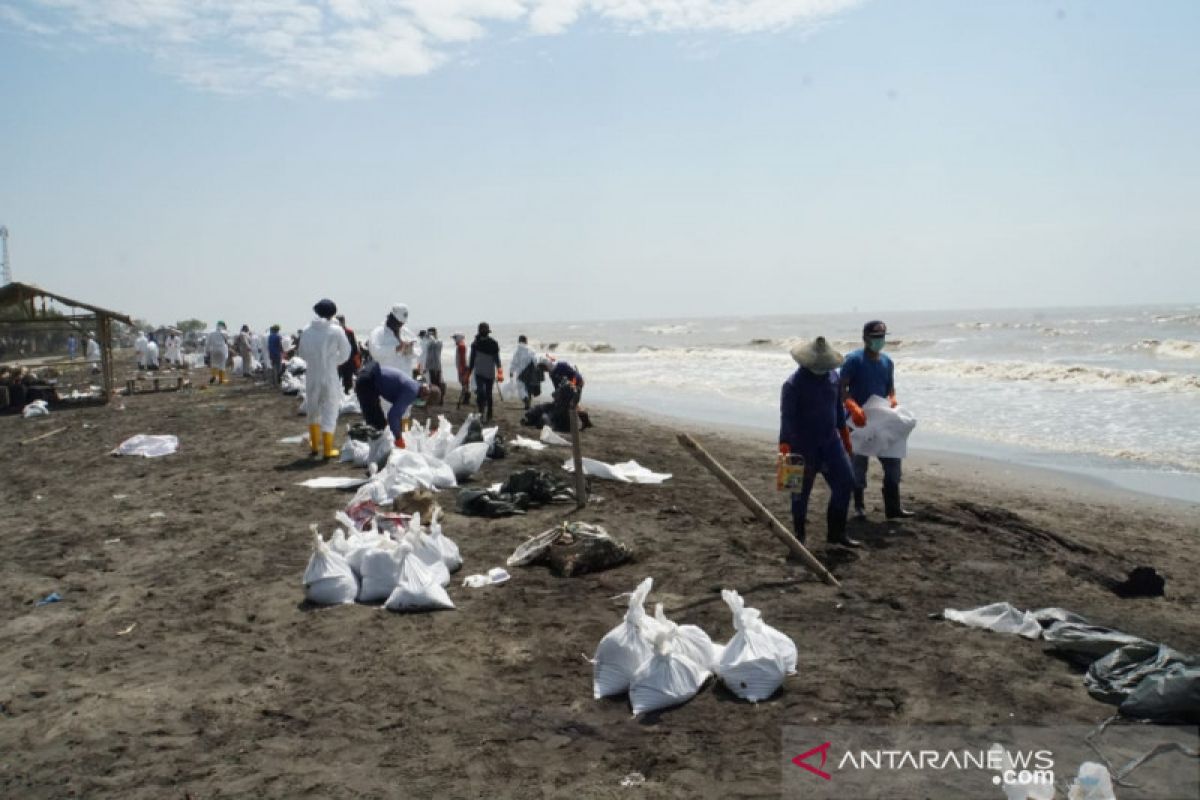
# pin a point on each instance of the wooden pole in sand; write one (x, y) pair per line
(760, 511)
(46, 435)
(577, 455)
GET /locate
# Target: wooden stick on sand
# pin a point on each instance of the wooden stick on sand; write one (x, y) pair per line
(45, 435)
(577, 455)
(760, 511)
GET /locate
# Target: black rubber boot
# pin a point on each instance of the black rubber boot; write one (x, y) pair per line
(860, 510)
(891, 503)
(837, 530)
(798, 529)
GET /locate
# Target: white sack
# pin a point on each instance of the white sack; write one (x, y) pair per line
(38, 408)
(886, 433)
(531, 444)
(416, 586)
(998, 617)
(328, 580)
(380, 574)
(625, 648)
(147, 446)
(356, 452)
(349, 404)
(446, 547)
(460, 437)
(626, 472)
(690, 640)
(667, 679)
(758, 658)
(467, 459)
(548, 436)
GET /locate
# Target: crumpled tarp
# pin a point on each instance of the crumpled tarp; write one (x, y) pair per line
(625, 472)
(1146, 679)
(147, 445)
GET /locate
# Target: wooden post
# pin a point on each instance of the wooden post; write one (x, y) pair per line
(577, 455)
(46, 435)
(766, 517)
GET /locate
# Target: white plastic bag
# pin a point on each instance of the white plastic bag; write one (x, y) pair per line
(625, 648)
(446, 547)
(147, 445)
(459, 438)
(356, 452)
(328, 580)
(998, 617)
(758, 658)
(38, 408)
(531, 444)
(548, 436)
(886, 432)
(380, 573)
(467, 459)
(667, 679)
(349, 404)
(416, 586)
(691, 640)
(625, 472)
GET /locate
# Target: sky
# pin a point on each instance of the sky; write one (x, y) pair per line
(546, 160)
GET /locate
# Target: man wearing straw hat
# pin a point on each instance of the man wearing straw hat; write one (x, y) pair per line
(812, 425)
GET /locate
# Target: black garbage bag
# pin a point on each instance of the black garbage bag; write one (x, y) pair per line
(474, 432)
(1142, 582)
(537, 415)
(497, 449)
(1113, 677)
(480, 503)
(538, 485)
(1172, 695)
(1083, 643)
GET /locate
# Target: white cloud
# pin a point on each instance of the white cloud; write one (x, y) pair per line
(340, 48)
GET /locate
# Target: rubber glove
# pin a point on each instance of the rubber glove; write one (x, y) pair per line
(845, 432)
(500, 374)
(892, 398)
(784, 449)
(400, 443)
(856, 412)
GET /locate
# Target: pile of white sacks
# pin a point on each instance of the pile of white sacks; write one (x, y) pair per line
(406, 570)
(661, 664)
(435, 459)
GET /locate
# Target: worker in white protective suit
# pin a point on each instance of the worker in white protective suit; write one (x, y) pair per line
(93, 352)
(171, 352)
(139, 347)
(323, 346)
(394, 345)
(216, 347)
(151, 353)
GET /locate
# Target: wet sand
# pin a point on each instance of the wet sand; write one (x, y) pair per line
(229, 685)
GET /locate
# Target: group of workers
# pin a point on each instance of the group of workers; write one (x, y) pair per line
(148, 351)
(824, 392)
(398, 368)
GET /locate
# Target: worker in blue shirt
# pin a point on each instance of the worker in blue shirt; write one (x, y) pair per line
(275, 353)
(559, 371)
(812, 426)
(865, 373)
(375, 381)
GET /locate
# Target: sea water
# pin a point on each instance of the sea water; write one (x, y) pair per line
(1110, 392)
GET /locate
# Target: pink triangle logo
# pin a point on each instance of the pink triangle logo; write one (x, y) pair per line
(802, 761)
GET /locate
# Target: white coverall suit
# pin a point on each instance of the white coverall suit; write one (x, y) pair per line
(323, 346)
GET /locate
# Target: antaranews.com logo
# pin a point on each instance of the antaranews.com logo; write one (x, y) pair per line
(1039, 763)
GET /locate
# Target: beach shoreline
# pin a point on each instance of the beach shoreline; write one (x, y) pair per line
(182, 658)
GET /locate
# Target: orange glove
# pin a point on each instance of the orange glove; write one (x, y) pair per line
(784, 449)
(892, 397)
(400, 443)
(856, 412)
(845, 432)
(500, 374)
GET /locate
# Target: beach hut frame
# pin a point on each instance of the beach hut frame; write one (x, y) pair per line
(25, 297)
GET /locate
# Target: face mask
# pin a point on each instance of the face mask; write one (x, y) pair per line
(820, 373)
(876, 343)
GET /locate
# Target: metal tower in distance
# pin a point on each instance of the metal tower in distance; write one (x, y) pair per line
(6, 274)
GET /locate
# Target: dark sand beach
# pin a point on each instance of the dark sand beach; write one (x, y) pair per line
(183, 662)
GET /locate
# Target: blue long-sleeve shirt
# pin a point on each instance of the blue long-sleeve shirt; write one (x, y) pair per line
(811, 413)
(275, 347)
(562, 371)
(865, 376)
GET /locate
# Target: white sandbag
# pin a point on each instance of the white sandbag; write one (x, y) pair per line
(356, 452)
(296, 365)
(349, 404)
(758, 658)
(328, 580)
(529, 444)
(691, 640)
(466, 459)
(443, 473)
(886, 433)
(998, 617)
(359, 545)
(338, 543)
(459, 438)
(380, 574)
(38, 408)
(446, 547)
(416, 438)
(291, 384)
(424, 548)
(625, 648)
(667, 679)
(489, 434)
(416, 586)
(625, 472)
(548, 436)
(440, 440)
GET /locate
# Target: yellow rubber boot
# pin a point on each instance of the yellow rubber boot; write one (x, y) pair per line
(223, 378)
(330, 451)
(314, 438)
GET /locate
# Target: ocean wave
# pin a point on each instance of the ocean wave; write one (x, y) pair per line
(581, 347)
(1177, 319)
(844, 345)
(667, 330)
(1166, 348)
(1055, 373)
